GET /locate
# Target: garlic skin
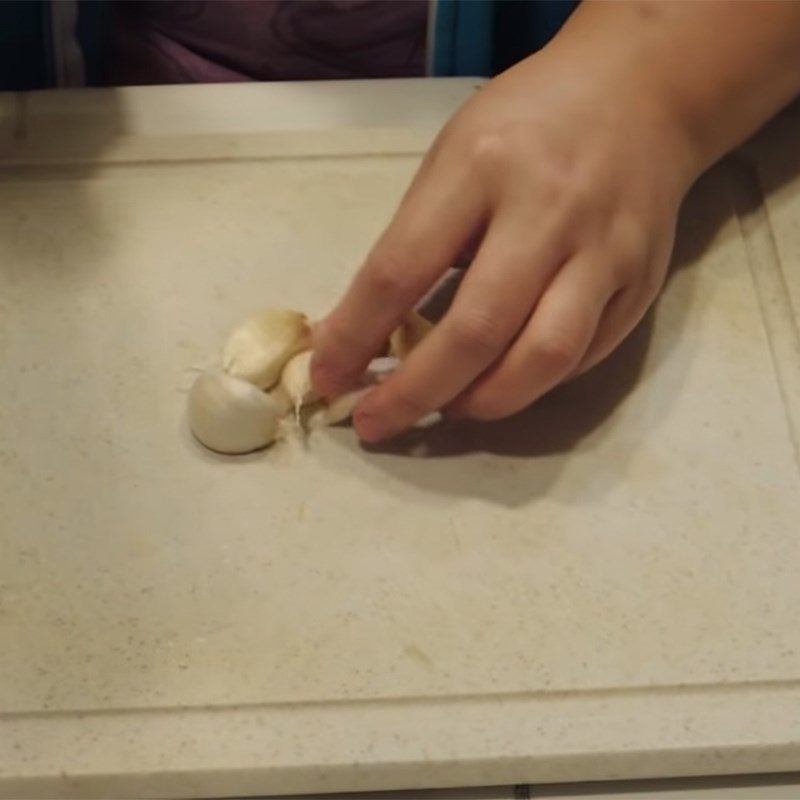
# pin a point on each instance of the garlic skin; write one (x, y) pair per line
(337, 410)
(380, 369)
(259, 348)
(296, 381)
(411, 331)
(230, 415)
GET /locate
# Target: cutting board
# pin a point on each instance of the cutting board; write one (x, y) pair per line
(606, 585)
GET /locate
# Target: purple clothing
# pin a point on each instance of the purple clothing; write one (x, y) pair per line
(208, 41)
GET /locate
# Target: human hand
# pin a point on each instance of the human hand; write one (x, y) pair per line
(569, 173)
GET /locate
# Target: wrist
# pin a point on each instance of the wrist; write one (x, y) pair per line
(708, 73)
(651, 116)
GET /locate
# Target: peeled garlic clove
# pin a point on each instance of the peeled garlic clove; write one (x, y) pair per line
(337, 410)
(296, 381)
(259, 348)
(229, 415)
(411, 331)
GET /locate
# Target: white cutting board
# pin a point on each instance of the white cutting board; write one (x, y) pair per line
(606, 586)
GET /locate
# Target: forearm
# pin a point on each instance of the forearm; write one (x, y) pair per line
(720, 69)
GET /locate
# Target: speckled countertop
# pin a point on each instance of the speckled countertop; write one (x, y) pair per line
(603, 587)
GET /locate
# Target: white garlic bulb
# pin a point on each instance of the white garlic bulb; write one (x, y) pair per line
(296, 381)
(259, 348)
(229, 415)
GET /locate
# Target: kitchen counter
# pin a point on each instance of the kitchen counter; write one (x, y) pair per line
(603, 587)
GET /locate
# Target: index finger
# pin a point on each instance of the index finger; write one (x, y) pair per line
(434, 221)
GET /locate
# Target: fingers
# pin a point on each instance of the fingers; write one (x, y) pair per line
(491, 306)
(434, 221)
(623, 313)
(551, 346)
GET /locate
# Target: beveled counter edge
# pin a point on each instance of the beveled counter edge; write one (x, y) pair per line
(358, 747)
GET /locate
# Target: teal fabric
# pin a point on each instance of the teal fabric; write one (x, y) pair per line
(522, 27)
(484, 37)
(463, 37)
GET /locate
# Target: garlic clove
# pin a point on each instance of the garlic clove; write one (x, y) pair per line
(259, 348)
(282, 401)
(337, 410)
(296, 381)
(230, 415)
(411, 331)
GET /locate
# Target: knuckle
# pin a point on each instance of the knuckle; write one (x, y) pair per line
(630, 243)
(478, 331)
(556, 352)
(494, 150)
(488, 150)
(564, 186)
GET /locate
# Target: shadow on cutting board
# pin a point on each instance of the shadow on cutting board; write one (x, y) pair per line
(569, 413)
(578, 414)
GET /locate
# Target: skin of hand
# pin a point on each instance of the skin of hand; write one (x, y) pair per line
(569, 170)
